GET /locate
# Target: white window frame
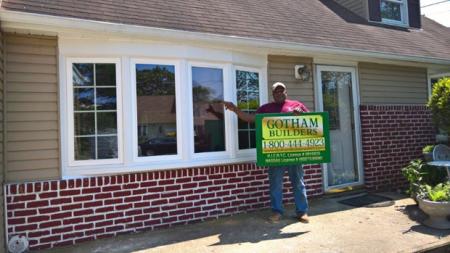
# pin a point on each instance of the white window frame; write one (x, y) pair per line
(403, 13)
(178, 100)
(229, 142)
(70, 111)
(262, 100)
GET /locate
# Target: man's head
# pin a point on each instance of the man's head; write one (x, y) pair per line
(279, 92)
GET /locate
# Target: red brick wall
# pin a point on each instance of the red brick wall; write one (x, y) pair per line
(53, 213)
(392, 135)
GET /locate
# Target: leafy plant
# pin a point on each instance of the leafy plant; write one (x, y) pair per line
(418, 174)
(428, 149)
(439, 104)
(438, 193)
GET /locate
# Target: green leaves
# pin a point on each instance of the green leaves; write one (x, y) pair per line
(441, 192)
(439, 104)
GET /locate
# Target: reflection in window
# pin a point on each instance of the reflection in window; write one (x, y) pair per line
(247, 87)
(332, 82)
(392, 9)
(156, 109)
(207, 93)
(95, 111)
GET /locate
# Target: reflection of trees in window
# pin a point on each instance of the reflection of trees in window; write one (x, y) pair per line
(156, 109)
(247, 87)
(330, 98)
(95, 111)
(155, 80)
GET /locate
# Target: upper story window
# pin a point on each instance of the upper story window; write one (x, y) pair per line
(394, 11)
(247, 92)
(94, 111)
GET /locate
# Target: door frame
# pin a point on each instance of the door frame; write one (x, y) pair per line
(356, 117)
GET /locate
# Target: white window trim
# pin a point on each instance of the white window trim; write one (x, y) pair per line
(229, 142)
(178, 101)
(357, 120)
(252, 151)
(403, 13)
(70, 112)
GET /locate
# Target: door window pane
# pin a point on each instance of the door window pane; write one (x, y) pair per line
(247, 88)
(156, 110)
(209, 125)
(95, 111)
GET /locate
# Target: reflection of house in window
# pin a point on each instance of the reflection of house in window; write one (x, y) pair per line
(157, 116)
(156, 109)
(209, 124)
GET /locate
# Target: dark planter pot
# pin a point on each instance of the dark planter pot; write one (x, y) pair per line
(428, 157)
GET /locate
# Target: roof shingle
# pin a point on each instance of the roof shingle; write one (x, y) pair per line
(313, 22)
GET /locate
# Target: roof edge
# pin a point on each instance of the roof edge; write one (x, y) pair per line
(55, 23)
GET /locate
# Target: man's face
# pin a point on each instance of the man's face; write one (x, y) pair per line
(279, 95)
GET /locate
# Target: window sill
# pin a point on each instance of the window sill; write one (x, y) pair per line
(103, 170)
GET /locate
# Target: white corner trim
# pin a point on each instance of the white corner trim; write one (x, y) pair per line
(39, 22)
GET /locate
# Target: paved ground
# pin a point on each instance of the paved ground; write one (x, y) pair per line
(334, 227)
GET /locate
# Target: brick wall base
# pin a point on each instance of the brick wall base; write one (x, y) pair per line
(65, 212)
(391, 137)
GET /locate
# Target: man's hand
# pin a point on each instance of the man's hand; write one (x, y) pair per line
(230, 106)
(297, 111)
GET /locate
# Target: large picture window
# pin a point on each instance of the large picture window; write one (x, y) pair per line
(247, 91)
(393, 11)
(209, 124)
(156, 110)
(94, 89)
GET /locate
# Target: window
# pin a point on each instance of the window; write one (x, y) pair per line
(156, 110)
(247, 91)
(393, 11)
(208, 112)
(94, 93)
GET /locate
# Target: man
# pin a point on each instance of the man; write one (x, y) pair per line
(281, 105)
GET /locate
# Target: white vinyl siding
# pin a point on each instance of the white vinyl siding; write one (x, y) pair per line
(281, 69)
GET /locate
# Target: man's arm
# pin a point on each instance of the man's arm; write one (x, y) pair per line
(242, 115)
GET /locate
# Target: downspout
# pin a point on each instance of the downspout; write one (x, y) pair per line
(5, 221)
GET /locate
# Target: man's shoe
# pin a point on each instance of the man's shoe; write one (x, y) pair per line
(303, 218)
(275, 217)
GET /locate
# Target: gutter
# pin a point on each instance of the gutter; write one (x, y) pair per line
(56, 25)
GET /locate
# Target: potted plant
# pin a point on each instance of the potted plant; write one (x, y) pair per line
(439, 104)
(435, 202)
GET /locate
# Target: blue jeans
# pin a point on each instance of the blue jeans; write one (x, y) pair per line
(298, 184)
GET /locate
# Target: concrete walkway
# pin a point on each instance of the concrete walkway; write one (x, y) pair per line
(334, 227)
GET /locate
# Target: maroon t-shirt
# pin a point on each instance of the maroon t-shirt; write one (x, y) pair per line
(288, 106)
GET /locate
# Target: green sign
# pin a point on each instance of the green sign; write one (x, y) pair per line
(284, 139)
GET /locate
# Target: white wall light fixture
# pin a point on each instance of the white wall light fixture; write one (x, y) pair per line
(302, 72)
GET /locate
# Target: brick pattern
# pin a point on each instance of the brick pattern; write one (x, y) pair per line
(392, 135)
(65, 212)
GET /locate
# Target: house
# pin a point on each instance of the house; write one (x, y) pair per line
(85, 83)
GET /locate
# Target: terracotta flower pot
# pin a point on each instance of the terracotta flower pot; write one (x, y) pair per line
(437, 212)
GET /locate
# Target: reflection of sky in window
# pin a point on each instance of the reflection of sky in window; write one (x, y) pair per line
(210, 78)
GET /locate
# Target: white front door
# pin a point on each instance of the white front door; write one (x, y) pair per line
(337, 95)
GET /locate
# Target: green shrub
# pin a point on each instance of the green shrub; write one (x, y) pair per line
(439, 104)
(418, 173)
